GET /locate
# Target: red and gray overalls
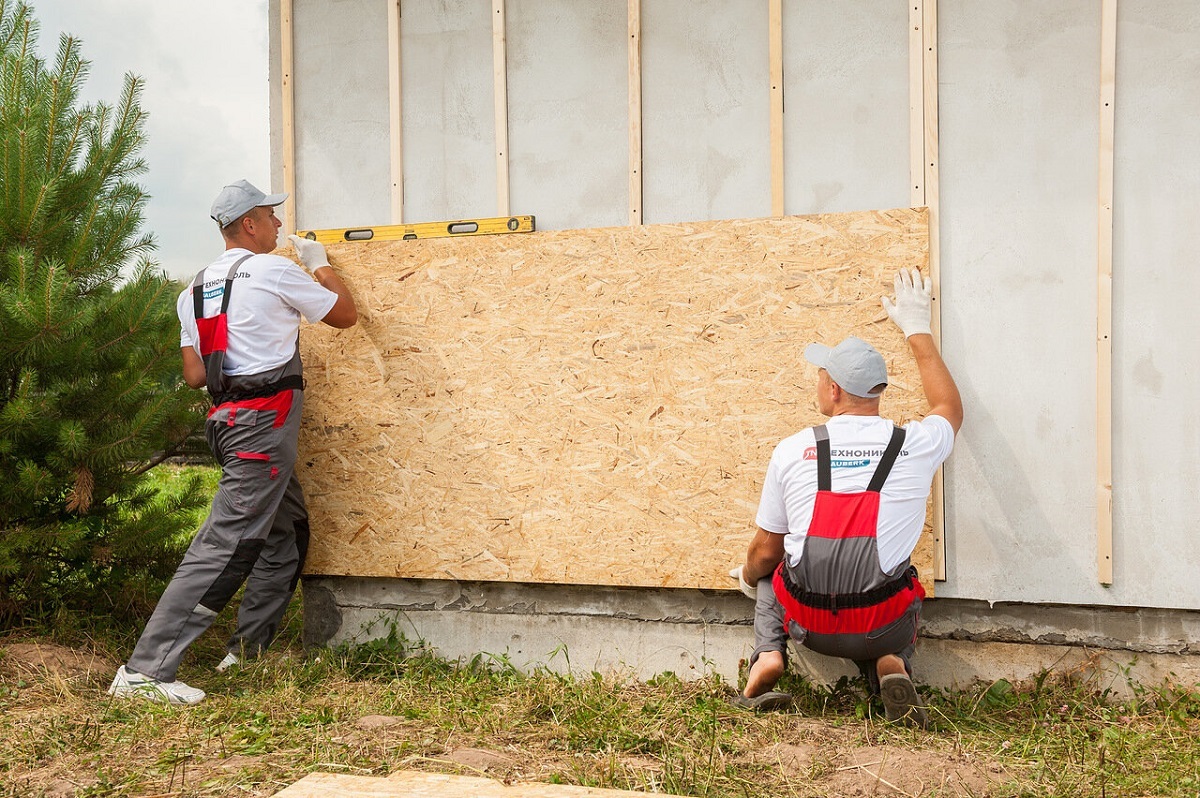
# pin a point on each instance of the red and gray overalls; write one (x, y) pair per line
(838, 594)
(257, 530)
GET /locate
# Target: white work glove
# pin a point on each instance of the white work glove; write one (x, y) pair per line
(311, 253)
(912, 309)
(751, 591)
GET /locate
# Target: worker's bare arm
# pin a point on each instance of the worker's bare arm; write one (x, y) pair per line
(764, 554)
(313, 257)
(344, 312)
(193, 368)
(940, 390)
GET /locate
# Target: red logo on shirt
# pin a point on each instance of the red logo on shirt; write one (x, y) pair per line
(810, 453)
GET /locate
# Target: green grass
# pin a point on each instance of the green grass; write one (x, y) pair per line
(269, 724)
(166, 478)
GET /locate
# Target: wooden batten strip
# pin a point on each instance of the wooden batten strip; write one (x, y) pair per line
(395, 115)
(775, 48)
(635, 112)
(1104, 269)
(916, 102)
(288, 109)
(500, 78)
(929, 60)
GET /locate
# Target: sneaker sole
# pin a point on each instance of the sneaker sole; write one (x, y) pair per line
(150, 693)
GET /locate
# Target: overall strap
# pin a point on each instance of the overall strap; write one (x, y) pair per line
(198, 296)
(824, 474)
(888, 460)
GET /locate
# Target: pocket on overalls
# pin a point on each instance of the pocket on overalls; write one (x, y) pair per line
(260, 457)
(250, 469)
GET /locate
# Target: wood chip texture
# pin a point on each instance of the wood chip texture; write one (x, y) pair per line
(584, 406)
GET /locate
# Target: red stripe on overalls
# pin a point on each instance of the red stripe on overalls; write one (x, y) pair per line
(281, 403)
(856, 620)
(841, 516)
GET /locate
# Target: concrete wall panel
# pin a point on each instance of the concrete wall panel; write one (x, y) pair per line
(1019, 84)
(1156, 374)
(705, 111)
(448, 110)
(568, 113)
(846, 122)
(341, 90)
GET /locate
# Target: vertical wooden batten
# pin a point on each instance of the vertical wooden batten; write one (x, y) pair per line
(395, 113)
(1104, 270)
(500, 79)
(916, 102)
(288, 109)
(929, 60)
(635, 112)
(775, 53)
(923, 192)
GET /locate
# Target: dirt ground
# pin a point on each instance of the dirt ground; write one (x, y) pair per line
(818, 759)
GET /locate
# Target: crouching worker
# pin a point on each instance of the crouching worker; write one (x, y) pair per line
(842, 507)
(240, 322)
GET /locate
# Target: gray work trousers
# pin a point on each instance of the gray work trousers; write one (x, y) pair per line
(898, 637)
(256, 534)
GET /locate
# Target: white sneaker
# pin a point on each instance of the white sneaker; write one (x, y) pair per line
(136, 685)
(230, 661)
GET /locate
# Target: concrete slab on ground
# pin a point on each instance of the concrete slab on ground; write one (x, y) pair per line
(416, 784)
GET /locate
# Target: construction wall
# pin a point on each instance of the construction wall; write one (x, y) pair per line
(1017, 224)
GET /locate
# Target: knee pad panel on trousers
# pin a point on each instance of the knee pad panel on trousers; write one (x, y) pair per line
(241, 562)
(302, 536)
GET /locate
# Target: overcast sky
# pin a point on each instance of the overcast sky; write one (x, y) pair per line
(205, 70)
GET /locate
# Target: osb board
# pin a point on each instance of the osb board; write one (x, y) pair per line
(584, 406)
(415, 784)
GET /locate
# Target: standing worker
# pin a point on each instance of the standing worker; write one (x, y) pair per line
(240, 323)
(842, 508)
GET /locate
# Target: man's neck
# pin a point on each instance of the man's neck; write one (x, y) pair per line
(243, 245)
(856, 410)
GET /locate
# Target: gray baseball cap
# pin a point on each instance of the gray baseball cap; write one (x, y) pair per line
(853, 364)
(240, 198)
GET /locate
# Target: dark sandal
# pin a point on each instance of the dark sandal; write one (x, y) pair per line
(763, 703)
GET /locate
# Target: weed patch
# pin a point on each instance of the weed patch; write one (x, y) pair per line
(391, 705)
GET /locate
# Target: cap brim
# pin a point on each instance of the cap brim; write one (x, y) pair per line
(817, 354)
(272, 200)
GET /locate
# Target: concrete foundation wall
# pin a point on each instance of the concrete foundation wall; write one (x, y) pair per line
(694, 633)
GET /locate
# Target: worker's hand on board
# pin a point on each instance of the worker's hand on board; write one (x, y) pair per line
(912, 308)
(311, 253)
(751, 591)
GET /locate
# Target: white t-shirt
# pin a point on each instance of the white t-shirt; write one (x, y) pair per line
(856, 446)
(269, 295)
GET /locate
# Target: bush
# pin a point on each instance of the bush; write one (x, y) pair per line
(89, 366)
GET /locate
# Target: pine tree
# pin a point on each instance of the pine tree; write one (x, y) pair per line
(89, 359)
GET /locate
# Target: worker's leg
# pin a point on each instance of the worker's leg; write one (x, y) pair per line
(273, 580)
(226, 547)
(769, 658)
(890, 674)
(889, 650)
(275, 572)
